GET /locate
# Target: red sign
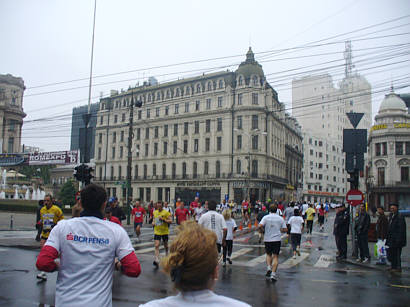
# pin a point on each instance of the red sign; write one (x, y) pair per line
(354, 197)
(77, 196)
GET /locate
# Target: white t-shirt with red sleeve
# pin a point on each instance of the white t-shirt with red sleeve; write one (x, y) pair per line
(87, 247)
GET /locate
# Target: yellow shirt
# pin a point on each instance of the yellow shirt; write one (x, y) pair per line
(49, 218)
(309, 214)
(160, 227)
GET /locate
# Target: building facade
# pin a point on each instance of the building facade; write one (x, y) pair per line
(388, 179)
(218, 135)
(11, 113)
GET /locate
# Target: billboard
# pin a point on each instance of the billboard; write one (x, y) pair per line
(55, 157)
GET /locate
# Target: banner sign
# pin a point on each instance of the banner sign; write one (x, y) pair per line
(11, 159)
(56, 157)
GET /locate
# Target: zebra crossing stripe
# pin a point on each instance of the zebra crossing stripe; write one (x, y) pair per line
(324, 261)
(256, 261)
(240, 252)
(147, 250)
(292, 262)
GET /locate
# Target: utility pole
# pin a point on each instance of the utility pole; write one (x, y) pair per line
(129, 164)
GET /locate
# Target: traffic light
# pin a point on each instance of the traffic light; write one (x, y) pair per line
(83, 173)
(79, 172)
(354, 180)
(87, 174)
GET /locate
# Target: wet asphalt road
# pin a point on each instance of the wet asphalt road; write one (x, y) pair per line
(317, 280)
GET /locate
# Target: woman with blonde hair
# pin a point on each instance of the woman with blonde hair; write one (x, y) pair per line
(193, 267)
(231, 228)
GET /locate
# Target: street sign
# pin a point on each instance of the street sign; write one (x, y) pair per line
(354, 118)
(354, 197)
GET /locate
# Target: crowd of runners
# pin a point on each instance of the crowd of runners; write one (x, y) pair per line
(96, 225)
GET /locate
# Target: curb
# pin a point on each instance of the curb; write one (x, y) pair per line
(364, 265)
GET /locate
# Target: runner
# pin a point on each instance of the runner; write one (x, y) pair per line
(231, 228)
(181, 213)
(169, 209)
(214, 221)
(305, 206)
(259, 218)
(161, 221)
(245, 214)
(322, 213)
(115, 209)
(87, 247)
(110, 217)
(198, 211)
(193, 205)
(273, 225)
(138, 213)
(50, 215)
(296, 228)
(310, 213)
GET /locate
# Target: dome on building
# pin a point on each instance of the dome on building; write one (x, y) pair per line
(250, 66)
(392, 102)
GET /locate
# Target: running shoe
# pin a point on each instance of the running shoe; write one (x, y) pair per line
(294, 256)
(273, 276)
(155, 264)
(224, 264)
(269, 273)
(298, 251)
(42, 276)
(366, 260)
(229, 260)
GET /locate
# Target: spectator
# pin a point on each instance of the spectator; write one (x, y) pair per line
(362, 230)
(381, 230)
(396, 238)
(115, 209)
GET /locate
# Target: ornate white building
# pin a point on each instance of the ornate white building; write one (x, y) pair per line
(218, 134)
(389, 152)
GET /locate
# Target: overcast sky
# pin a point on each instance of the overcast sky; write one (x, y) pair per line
(47, 42)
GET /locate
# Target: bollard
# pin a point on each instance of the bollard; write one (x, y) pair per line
(11, 221)
(240, 226)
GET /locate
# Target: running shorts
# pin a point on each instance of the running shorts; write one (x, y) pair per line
(272, 247)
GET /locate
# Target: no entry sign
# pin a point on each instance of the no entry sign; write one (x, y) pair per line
(354, 197)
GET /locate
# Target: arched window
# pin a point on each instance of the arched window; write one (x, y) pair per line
(183, 170)
(112, 172)
(154, 169)
(174, 170)
(149, 97)
(218, 169)
(168, 94)
(187, 91)
(195, 170)
(206, 168)
(255, 80)
(209, 86)
(238, 166)
(221, 84)
(119, 172)
(177, 92)
(198, 88)
(240, 81)
(164, 171)
(145, 171)
(158, 95)
(254, 168)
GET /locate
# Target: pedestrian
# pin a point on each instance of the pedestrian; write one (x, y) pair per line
(362, 230)
(214, 221)
(161, 221)
(296, 228)
(138, 213)
(198, 211)
(396, 237)
(88, 248)
(110, 217)
(341, 230)
(382, 226)
(305, 206)
(231, 228)
(310, 213)
(259, 218)
(39, 225)
(193, 267)
(245, 214)
(181, 213)
(50, 215)
(273, 225)
(321, 217)
(194, 204)
(115, 209)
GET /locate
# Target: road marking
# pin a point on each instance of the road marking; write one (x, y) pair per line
(322, 234)
(147, 250)
(326, 281)
(324, 261)
(292, 262)
(256, 261)
(4, 249)
(401, 286)
(240, 252)
(136, 244)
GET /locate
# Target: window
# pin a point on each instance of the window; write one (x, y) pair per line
(115, 119)
(165, 148)
(206, 168)
(380, 176)
(240, 98)
(404, 174)
(219, 102)
(175, 147)
(119, 172)
(218, 169)
(208, 125)
(147, 133)
(113, 153)
(239, 122)
(112, 172)
(219, 124)
(186, 125)
(99, 138)
(240, 81)
(209, 86)
(196, 126)
(254, 142)
(320, 154)
(123, 117)
(320, 176)
(197, 104)
(156, 129)
(399, 148)
(377, 149)
(146, 149)
(207, 144)
(238, 167)
(310, 141)
(148, 113)
(145, 171)
(184, 170)
(139, 114)
(122, 136)
(198, 88)
(195, 170)
(175, 129)
(155, 149)
(311, 152)
(174, 170)
(220, 84)
(255, 98)
(320, 143)
(196, 145)
(219, 143)
(208, 104)
(166, 110)
(255, 80)
(138, 150)
(176, 109)
(186, 107)
(185, 146)
(320, 165)
(138, 132)
(407, 146)
(114, 137)
(121, 151)
(254, 168)
(101, 120)
(239, 142)
(254, 122)
(99, 153)
(384, 148)
(164, 171)
(165, 130)
(157, 112)
(154, 169)
(136, 171)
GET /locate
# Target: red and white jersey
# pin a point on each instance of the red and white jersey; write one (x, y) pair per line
(88, 246)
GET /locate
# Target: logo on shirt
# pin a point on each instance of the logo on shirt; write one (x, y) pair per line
(87, 240)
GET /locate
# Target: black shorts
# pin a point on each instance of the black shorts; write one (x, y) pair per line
(137, 224)
(295, 238)
(321, 219)
(159, 237)
(272, 247)
(218, 247)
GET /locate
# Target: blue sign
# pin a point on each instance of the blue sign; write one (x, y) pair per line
(226, 197)
(197, 194)
(11, 159)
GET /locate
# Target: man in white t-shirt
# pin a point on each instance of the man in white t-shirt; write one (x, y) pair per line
(296, 227)
(214, 221)
(273, 225)
(89, 249)
(198, 211)
(305, 206)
